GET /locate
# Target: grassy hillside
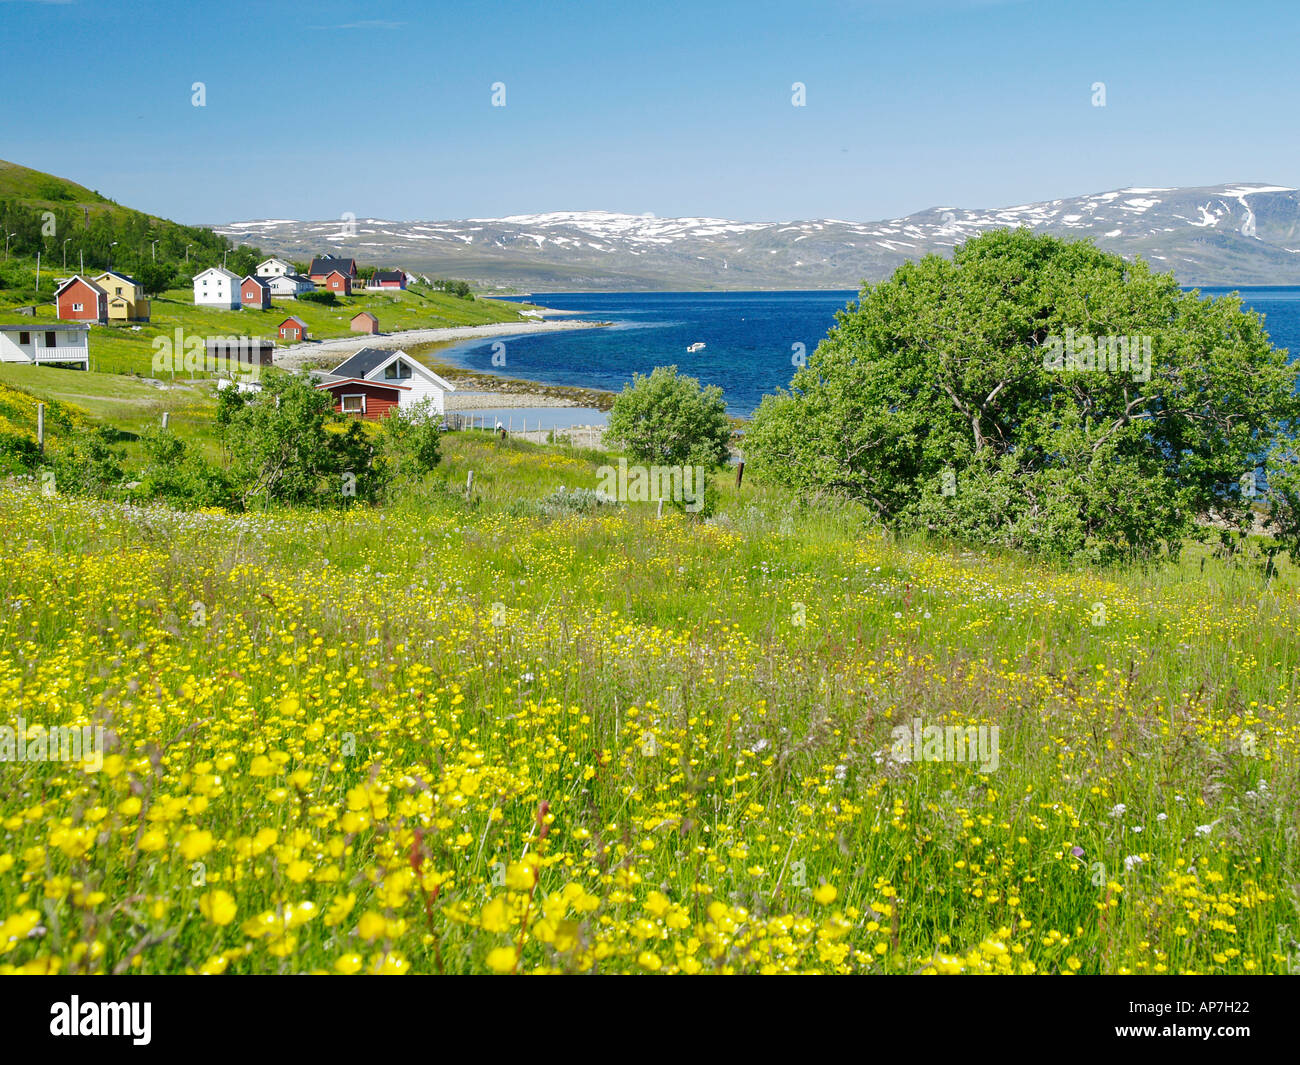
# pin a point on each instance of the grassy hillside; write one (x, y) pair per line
(476, 735)
(38, 189)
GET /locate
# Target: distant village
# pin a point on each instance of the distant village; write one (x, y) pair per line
(368, 384)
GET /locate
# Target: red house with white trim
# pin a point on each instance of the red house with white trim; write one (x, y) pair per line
(255, 293)
(337, 281)
(360, 398)
(81, 300)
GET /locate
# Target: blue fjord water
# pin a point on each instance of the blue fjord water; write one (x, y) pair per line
(749, 337)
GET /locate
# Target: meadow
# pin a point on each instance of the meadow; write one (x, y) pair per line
(486, 734)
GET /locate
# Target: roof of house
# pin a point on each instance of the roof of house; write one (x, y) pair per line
(294, 318)
(334, 382)
(263, 282)
(42, 327)
(275, 259)
(364, 314)
(368, 360)
(83, 280)
(219, 270)
(363, 362)
(389, 275)
(323, 264)
(120, 276)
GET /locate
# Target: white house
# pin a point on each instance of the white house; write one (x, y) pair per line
(274, 267)
(288, 286)
(217, 287)
(414, 380)
(62, 345)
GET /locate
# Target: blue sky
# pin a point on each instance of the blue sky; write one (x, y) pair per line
(385, 109)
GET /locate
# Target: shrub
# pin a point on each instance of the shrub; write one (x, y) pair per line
(666, 419)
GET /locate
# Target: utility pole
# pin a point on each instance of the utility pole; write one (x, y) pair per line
(38, 278)
(187, 253)
(82, 253)
(153, 250)
(65, 253)
(110, 254)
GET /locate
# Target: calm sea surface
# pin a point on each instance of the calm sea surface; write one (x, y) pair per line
(749, 338)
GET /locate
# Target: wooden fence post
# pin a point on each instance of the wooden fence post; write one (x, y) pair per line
(40, 428)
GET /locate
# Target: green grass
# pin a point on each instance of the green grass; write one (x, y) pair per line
(706, 709)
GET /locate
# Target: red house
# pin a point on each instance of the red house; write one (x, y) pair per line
(337, 281)
(255, 293)
(81, 300)
(364, 399)
(365, 322)
(293, 328)
(388, 279)
(323, 265)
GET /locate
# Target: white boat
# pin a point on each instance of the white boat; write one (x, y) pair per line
(697, 346)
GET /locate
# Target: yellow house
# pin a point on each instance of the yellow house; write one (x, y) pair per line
(126, 299)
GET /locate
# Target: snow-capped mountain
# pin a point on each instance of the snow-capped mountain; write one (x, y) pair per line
(1243, 233)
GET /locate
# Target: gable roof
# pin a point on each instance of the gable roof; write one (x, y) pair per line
(275, 259)
(334, 382)
(323, 264)
(369, 361)
(389, 275)
(84, 280)
(293, 318)
(262, 282)
(120, 276)
(364, 314)
(362, 362)
(45, 327)
(219, 270)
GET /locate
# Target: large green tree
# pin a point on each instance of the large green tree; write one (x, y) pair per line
(988, 397)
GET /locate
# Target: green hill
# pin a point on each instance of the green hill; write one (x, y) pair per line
(69, 224)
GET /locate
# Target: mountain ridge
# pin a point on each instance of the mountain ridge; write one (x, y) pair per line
(1236, 233)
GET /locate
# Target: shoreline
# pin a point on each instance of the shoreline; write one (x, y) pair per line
(306, 354)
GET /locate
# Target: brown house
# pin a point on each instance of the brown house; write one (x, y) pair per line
(365, 322)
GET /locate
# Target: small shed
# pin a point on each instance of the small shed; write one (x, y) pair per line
(293, 328)
(365, 322)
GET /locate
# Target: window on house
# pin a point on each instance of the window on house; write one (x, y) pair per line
(354, 404)
(397, 371)
(24, 338)
(51, 338)
(78, 307)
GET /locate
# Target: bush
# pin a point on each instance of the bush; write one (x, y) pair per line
(88, 463)
(177, 474)
(325, 298)
(666, 419)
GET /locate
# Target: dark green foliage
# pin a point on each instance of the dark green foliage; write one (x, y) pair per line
(177, 474)
(323, 296)
(667, 419)
(938, 402)
(89, 463)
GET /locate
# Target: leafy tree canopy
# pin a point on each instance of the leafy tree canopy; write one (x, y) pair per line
(990, 398)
